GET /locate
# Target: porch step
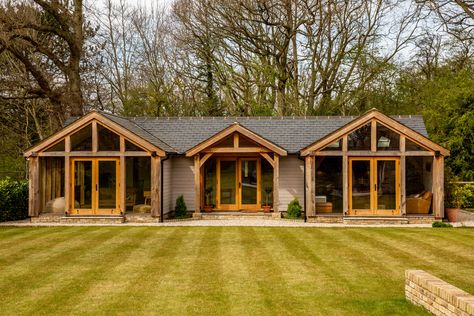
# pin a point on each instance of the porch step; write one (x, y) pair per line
(365, 220)
(238, 215)
(92, 219)
(141, 218)
(47, 218)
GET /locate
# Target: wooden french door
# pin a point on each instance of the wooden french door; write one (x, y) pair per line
(95, 186)
(374, 186)
(238, 184)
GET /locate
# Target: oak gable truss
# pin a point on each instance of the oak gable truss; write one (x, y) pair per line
(374, 116)
(94, 118)
(265, 146)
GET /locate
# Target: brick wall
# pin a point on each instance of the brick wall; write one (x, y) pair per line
(437, 296)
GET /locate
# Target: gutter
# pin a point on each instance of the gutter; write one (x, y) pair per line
(161, 185)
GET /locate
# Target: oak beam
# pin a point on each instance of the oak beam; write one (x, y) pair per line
(155, 186)
(231, 150)
(205, 158)
(268, 158)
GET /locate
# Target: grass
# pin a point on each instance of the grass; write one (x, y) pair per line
(224, 270)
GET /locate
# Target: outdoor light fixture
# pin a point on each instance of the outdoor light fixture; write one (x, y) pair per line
(437, 153)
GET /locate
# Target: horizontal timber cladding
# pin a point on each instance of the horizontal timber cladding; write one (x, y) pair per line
(167, 180)
(182, 180)
(291, 181)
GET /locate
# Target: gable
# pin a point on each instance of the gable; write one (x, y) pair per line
(86, 131)
(365, 121)
(230, 138)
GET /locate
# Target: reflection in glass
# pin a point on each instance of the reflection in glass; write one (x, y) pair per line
(328, 184)
(83, 184)
(82, 139)
(137, 178)
(249, 181)
(227, 181)
(360, 138)
(131, 146)
(412, 146)
(386, 185)
(107, 184)
(57, 147)
(210, 182)
(267, 182)
(361, 184)
(387, 139)
(108, 140)
(337, 145)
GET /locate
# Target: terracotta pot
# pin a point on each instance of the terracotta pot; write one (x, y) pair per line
(266, 208)
(452, 214)
(208, 208)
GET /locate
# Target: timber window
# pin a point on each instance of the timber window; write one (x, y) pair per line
(82, 139)
(108, 140)
(360, 139)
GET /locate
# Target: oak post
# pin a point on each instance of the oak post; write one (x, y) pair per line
(197, 184)
(403, 195)
(67, 174)
(122, 184)
(95, 140)
(34, 186)
(309, 207)
(276, 183)
(438, 187)
(155, 186)
(345, 175)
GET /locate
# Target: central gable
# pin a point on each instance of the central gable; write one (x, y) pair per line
(235, 139)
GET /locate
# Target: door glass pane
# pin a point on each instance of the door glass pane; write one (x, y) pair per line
(361, 184)
(107, 184)
(386, 185)
(228, 187)
(267, 183)
(83, 184)
(249, 181)
(210, 182)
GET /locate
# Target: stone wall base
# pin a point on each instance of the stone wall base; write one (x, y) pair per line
(437, 296)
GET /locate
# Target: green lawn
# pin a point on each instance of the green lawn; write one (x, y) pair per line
(224, 270)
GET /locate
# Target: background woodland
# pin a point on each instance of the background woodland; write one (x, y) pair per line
(62, 58)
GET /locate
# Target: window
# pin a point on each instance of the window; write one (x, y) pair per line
(267, 183)
(336, 146)
(387, 139)
(108, 140)
(412, 146)
(131, 146)
(57, 147)
(82, 139)
(245, 142)
(360, 138)
(328, 185)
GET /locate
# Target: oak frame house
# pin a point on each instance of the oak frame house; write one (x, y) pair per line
(338, 167)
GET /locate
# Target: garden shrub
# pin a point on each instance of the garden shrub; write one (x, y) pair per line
(467, 195)
(441, 224)
(13, 199)
(294, 209)
(180, 210)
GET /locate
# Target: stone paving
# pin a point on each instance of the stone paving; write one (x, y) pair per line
(246, 222)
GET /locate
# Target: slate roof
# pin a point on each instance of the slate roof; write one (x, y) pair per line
(179, 134)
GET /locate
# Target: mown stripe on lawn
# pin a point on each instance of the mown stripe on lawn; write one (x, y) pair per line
(207, 295)
(29, 262)
(51, 286)
(278, 297)
(460, 236)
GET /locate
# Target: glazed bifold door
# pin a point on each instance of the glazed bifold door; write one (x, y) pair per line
(374, 186)
(95, 186)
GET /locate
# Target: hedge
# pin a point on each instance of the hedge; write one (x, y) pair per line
(13, 199)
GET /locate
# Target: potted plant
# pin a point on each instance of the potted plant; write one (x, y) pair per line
(208, 205)
(454, 203)
(267, 207)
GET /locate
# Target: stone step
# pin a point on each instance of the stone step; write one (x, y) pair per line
(92, 219)
(238, 215)
(47, 218)
(141, 218)
(376, 220)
